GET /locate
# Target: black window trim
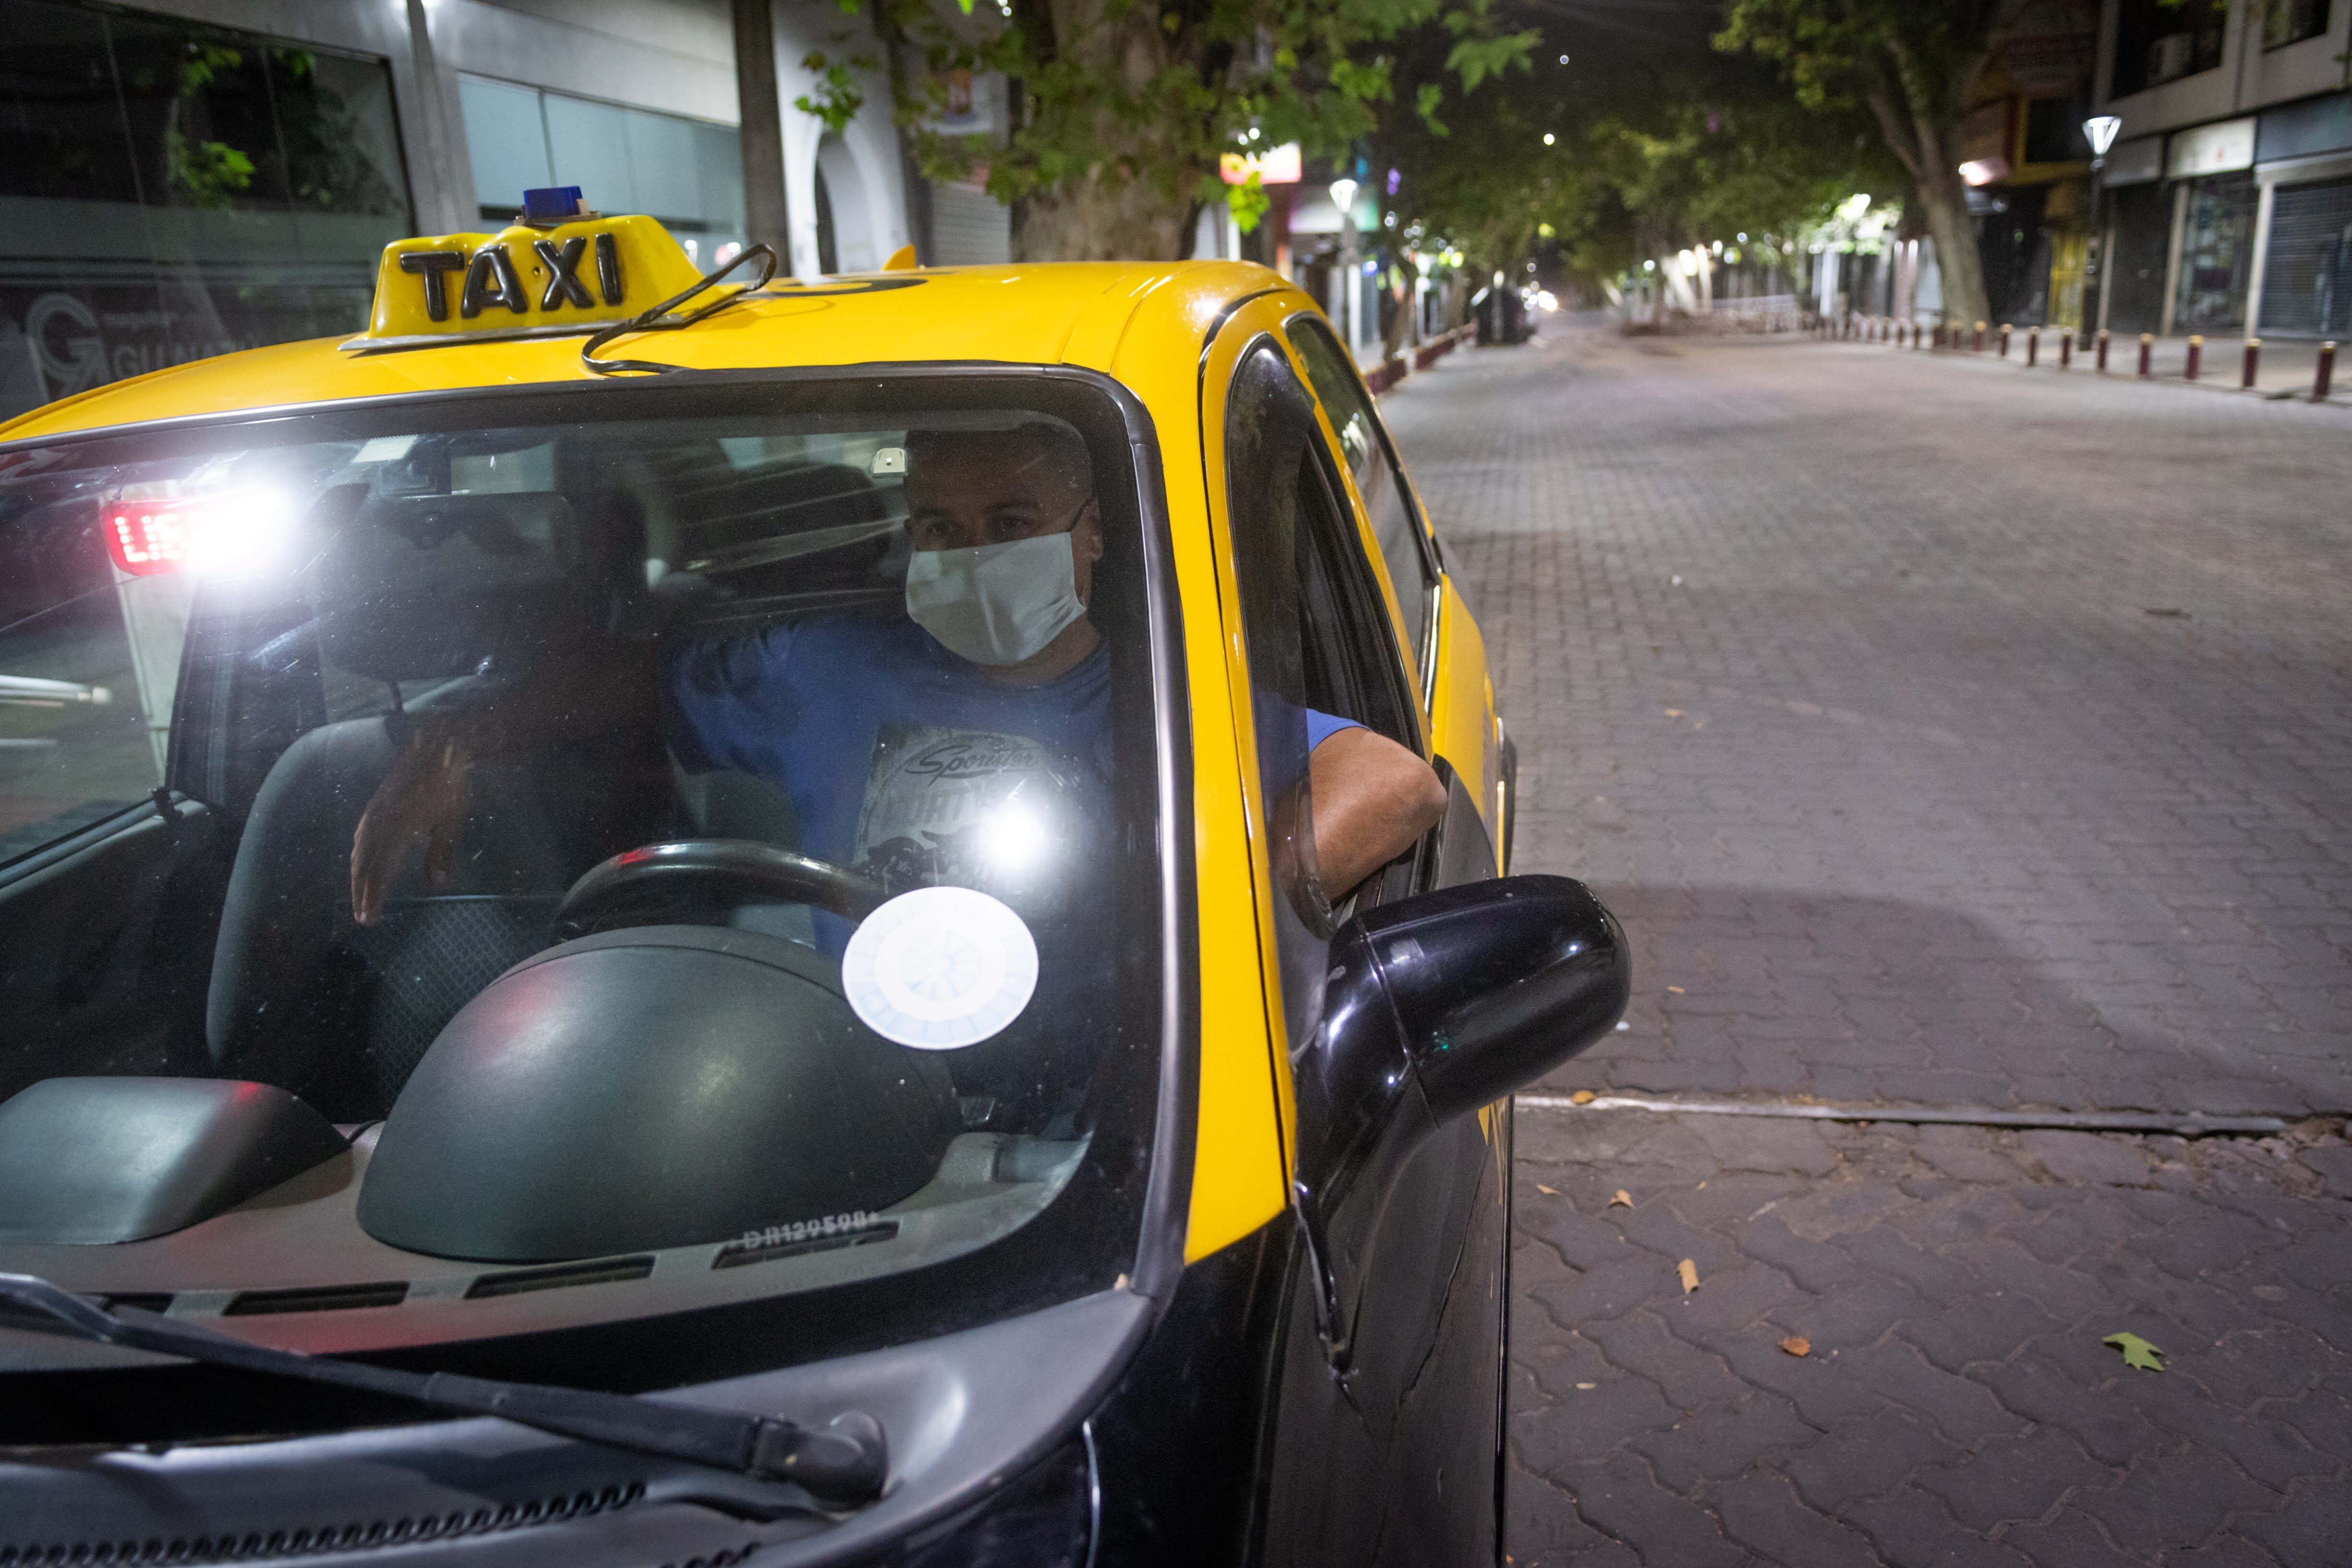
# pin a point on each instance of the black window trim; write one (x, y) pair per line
(1433, 568)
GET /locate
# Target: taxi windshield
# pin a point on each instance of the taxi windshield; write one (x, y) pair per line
(499, 869)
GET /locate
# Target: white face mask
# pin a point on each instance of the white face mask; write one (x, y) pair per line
(996, 604)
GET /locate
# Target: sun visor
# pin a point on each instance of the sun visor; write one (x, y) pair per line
(429, 587)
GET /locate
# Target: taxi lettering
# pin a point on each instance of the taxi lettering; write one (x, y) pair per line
(491, 278)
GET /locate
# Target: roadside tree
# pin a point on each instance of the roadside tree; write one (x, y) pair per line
(1122, 108)
(1917, 68)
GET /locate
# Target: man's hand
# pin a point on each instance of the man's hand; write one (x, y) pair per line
(1372, 800)
(422, 802)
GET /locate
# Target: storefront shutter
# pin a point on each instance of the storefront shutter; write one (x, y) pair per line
(2306, 286)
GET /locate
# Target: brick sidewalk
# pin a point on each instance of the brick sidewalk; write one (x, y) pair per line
(1944, 734)
(1958, 1406)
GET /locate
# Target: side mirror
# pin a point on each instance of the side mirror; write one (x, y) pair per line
(1437, 1004)
(1433, 1007)
(1495, 983)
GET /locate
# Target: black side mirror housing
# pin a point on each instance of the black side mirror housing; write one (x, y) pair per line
(1495, 983)
(1435, 1006)
(1472, 992)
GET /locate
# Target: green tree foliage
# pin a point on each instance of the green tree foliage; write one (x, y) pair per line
(1124, 107)
(1917, 68)
(1650, 152)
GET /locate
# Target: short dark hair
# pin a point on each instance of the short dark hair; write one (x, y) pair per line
(1050, 441)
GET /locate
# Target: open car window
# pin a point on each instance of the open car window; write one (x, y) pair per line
(872, 1054)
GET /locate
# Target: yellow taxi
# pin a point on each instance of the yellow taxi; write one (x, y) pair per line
(655, 917)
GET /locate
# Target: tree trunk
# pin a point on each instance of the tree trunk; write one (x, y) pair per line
(1924, 132)
(1101, 218)
(1114, 210)
(1958, 261)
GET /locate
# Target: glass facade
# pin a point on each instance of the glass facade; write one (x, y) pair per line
(176, 190)
(2288, 22)
(687, 173)
(2217, 247)
(2157, 41)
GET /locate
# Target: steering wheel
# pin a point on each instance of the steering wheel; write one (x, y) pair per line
(646, 884)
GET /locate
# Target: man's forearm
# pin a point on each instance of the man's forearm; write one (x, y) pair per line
(1373, 799)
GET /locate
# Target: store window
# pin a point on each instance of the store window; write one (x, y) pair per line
(2217, 242)
(2157, 41)
(687, 173)
(173, 190)
(2288, 22)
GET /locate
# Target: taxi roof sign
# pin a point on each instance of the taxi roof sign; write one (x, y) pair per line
(551, 276)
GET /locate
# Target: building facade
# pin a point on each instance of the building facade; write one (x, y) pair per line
(2228, 195)
(188, 177)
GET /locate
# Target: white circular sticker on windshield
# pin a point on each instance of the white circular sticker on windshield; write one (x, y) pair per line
(940, 968)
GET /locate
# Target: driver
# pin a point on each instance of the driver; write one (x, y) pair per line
(948, 746)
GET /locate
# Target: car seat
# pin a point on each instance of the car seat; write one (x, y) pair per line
(465, 589)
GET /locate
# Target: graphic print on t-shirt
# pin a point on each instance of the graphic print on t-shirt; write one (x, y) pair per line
(976, 808)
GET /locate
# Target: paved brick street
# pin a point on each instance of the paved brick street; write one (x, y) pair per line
(1946, 734)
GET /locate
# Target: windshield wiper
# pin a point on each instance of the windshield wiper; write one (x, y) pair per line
(839, 1465)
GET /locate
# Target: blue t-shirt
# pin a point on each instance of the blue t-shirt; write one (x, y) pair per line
(890, 745)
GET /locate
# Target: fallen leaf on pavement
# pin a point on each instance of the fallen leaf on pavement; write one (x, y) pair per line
(1622, 1200)
(1581, 1097)
(2136, 1352)
(1797, 1344)
(1549, 1192)
(1689, 1272)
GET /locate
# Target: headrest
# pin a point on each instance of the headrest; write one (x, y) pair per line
(428, 588)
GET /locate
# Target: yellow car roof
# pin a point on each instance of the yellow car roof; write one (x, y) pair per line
(1075, 313)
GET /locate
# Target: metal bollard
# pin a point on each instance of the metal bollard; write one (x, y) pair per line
(1980, 337)
(2147, 353)
(1939, 334)
(2103, 350)
(2004, 341)
(2196, 356)
(2325, 376)
(2032, 346)
(2066, 351)
(2252, 366)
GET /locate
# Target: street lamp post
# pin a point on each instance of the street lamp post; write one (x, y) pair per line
(2100, 131)
(1343, 196)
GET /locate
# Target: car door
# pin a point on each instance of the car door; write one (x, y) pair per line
(1382, 1445)
(1473, 840)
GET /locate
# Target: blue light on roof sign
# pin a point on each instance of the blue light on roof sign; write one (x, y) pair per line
(551, 203)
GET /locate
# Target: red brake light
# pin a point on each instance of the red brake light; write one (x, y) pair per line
(146, 537)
